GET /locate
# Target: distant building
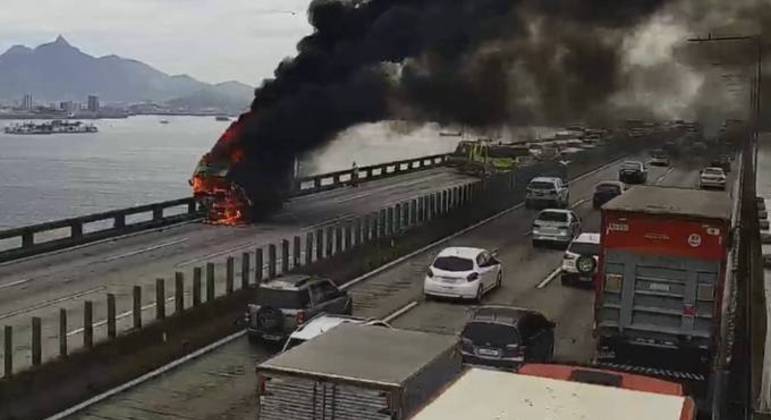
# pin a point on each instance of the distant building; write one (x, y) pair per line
(93, 103)
(27, 103)
(68, 107)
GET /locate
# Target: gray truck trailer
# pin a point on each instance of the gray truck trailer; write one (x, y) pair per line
(357, 372)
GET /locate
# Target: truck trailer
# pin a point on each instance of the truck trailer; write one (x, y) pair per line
(357, 372)
(662, 268)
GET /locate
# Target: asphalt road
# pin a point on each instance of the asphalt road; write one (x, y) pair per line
(221, 385)
(40, 286)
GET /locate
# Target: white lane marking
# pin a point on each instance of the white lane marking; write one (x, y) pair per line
(14, 283)
(527, 233)
(400, 312)
(660, 179)
(117, 317)
(51, 302)
(143, 250)
(579, 203)
(545, 282)
(461, 232)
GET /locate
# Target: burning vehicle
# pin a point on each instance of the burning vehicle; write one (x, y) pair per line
(232, 190)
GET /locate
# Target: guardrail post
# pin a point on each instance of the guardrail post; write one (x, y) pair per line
(8, 351)
(112, 330)
(357, 234)
(76, 230)
(296, 252)
(137, 306)
(62, 332)
(309, 248)
(197, 286)
(119, 221)
(338, 239)
(258, 266)
(157, 213)
(397, 226)
(348, 236)
(209, 282)
(192, 207)
(160, 299)
(88, 324)
(37, 348)
(179, 292)
(284, 256)
(272, 261)
(389, 225)
(229, 275)
(245, 269)
(319, 244)
(445, 202)
(382, 221)
(330, 238)
(27, 239)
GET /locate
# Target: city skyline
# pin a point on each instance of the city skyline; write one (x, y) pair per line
(238, 40)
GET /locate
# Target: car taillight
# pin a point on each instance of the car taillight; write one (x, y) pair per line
(473, 276)
(300, 317)
(429, 273)
(262, 385)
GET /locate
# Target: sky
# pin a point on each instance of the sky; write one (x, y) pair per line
(211, 40)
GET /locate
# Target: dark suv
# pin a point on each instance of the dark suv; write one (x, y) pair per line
(285, 303)
(506, 337)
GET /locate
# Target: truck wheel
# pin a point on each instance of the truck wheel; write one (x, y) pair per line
(478, 297)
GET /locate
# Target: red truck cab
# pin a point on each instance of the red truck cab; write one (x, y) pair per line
(663, 254)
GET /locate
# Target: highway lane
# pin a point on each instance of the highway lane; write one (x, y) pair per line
(184, 393)
(40, 286)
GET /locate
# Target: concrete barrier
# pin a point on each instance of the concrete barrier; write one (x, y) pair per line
(31, 240)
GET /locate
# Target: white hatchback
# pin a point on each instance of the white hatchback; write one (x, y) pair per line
(463, 272)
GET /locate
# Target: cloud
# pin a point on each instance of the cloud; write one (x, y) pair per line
(211, 40)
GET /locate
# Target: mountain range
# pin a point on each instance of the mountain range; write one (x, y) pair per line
(59, 71)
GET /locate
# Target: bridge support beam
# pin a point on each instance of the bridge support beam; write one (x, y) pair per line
(88, 324)
(338, 238)
(229, 275)
(62, 332)
(112, 330)
(245, 269)
(389, 225)
(259, 265)
(329, 251)
(197, 274)
(284, 256)
(179, 292)
(272, 261)
(309, 248)
(160, 299)
(296, 252)
(209, 282)
(348, 236)
(37, 348)
(137, 307)
(7, 351)
(319, 244)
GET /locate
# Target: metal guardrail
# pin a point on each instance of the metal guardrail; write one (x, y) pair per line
(323, 182)
(102, 225)
(31, 242)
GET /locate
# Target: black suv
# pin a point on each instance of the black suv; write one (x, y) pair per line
(506, 337)
(633, 172)
(285, 303)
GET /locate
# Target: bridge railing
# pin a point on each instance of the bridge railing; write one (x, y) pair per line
(44, 237)
(323, 182)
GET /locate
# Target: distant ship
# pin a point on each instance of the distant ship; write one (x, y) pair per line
(164, 121)
(53, 127)
(222, 118)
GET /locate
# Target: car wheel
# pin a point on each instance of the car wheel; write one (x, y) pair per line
(480, 293)
(499, 280)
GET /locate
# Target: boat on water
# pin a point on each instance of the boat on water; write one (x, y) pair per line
(53, 127)
(164, 121)
(222, 118)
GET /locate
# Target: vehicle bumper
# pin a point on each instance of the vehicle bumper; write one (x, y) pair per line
(712, 184)
(465, 290)
(274, 337)
(547, 237)
(500, 363)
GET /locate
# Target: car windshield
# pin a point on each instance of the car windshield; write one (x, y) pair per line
(608, 188)
(553, 216)
(286, 299)
(584, 248)
(454, 264)
(541, 185)
(490, 334)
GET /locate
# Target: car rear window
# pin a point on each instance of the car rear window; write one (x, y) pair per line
(541, 185)
(454, 264)
(609, 188)
(486, 333)
(584, 248)
(631, 165)
(553, 216)
(710, 171)
(286, 299)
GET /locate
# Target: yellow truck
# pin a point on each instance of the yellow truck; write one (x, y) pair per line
(482, 158)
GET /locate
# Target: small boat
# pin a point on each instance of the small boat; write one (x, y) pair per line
(222, 118)
(164, 121)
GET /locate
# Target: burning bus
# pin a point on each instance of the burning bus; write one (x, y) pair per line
(233, 190)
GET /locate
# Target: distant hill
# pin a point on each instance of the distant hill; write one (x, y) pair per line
(58, 71)
(231, 97)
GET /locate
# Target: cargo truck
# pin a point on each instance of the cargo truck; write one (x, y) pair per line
(662, 268)
(356, 372)
(482, 394)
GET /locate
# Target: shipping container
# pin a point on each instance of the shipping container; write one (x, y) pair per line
(357, 372)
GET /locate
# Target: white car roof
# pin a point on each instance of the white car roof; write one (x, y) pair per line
(323, 323)
(588, 238)
(713, 169)
(616, 183)
(544, 179)
(554, 211)
(462, 252)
